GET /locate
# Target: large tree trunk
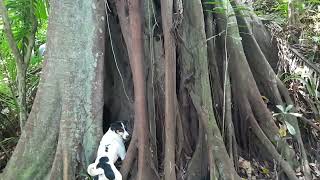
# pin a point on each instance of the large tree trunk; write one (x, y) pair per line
(64, 126)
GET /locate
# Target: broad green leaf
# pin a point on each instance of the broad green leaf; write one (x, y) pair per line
(290, 128)
(289, 107)
(280, 107)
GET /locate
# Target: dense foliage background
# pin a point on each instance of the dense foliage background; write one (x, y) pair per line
(19, 14)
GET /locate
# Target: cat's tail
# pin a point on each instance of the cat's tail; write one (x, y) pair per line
(93, 171)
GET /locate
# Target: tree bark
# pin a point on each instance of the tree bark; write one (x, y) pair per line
(140, 108)
(64, 127)
(170, 89)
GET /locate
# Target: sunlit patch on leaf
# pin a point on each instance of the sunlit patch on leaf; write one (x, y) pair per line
(265, 170)
(282, 132)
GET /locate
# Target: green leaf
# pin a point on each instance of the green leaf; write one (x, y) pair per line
(41, 10)
(289, 107)
(280, 107)
(290, 128)
(296, 114)
(293, 77)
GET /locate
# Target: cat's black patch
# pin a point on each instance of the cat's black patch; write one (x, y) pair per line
(116, 126)
(107, 148)
(103, 163)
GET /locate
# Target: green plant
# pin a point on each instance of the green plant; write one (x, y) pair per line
(284, 114)
(19, 13)
(308, 81)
